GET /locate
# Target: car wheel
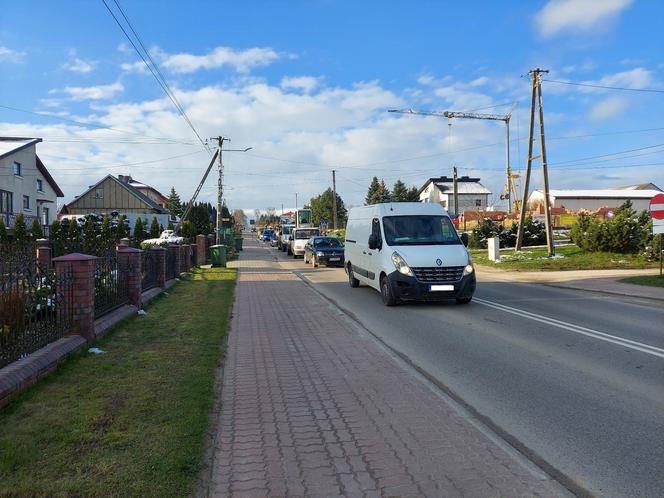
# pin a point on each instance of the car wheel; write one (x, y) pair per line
(464, 300)
(386, 292)
(314, 263)
(352, 281)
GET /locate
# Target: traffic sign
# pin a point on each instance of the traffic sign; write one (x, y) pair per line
(656, 209)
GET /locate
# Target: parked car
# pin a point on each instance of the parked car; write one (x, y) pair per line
(408, 250)
(299, 239)
(324, 250)
(166, 237)
(267, 235)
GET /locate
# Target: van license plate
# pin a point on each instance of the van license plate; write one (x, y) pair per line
(335, 259)
(442, 288)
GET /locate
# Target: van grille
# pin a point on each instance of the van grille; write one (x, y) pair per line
(432, 275)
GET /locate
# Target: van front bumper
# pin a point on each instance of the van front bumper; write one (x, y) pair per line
(409, 288)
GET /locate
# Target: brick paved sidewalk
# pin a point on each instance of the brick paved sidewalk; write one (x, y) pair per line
(311, 407)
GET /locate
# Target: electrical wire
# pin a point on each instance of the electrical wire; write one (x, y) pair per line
(605, 87)
(163, 84)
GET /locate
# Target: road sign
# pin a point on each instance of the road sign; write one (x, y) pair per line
(656, 209)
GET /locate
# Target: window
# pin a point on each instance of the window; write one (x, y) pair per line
(375, 231)
(6, 202)
(17, 168)
(26, 202)
(40, 185)
(478, 202)
(99, 193)
(46, 219)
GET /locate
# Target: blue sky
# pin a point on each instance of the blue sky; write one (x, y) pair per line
(307, 84)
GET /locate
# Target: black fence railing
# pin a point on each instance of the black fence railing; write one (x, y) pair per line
(110, 285)
(149, 275)
(171, 265)
(34, 309)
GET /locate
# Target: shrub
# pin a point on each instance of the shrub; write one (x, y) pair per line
(20, 231)
(484, 230)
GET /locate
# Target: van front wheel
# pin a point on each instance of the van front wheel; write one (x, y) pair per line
(352, 281)
(386, 292)
(464, 300)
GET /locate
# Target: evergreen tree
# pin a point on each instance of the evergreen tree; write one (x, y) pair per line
(106, 234)
(3, 231)
(399, 192)
(90, 237)
(73, 237)
(382, 194)
(371, 192)
(413, 195)
(322, 208)
(173, 203)
(170, 225)
(139, 231)
(154, 228)
(37, 232)
(122, 231)
(161, 228)
(20, 231)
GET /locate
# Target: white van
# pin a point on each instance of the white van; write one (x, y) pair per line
(408, 251)
(299, 238)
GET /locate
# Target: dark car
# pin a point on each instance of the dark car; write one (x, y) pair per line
(324, 250)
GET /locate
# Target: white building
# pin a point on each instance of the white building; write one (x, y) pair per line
(473, 196)
(25, 184)
(573, 200)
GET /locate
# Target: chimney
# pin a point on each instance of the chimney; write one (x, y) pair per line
(124, 178)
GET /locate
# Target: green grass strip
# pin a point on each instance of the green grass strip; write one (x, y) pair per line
(652, 280)
(132, 421)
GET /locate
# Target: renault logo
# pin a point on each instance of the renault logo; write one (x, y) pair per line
(439, 261)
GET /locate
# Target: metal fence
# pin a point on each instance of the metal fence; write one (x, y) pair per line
(149, 276)
(35, 302)
(110, 285)
(171, 265)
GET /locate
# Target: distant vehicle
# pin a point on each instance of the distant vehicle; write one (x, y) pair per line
(299, 239)
(284, 236)
(267, 235)
(324, 250)
(253, 229)
(166, 237)
(408, 251)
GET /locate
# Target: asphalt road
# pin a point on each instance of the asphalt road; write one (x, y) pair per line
(573, 379)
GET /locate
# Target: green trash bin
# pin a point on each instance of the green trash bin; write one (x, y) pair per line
(218, 255)
(238, 243)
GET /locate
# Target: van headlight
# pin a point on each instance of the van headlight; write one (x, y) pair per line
(468, 269)
(401, 265)
(320, 254)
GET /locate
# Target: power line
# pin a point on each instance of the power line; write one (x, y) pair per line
(605, 87)
(162, 83)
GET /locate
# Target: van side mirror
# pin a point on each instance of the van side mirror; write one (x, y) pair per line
(374, 241)
(464, 239)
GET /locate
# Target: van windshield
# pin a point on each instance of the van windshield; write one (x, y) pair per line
(419, 230)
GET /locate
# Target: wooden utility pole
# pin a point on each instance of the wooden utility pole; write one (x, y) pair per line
(334, 199)
(220, 191)
(536, 99)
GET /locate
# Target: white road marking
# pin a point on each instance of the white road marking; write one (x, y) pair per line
(595, 334)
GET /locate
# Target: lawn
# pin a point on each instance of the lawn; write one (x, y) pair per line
(131, 421)
(568, 257)
(652, 280)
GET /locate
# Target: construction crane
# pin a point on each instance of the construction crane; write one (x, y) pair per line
(510, 187)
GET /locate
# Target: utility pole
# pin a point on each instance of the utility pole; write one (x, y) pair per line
(334, 199)
(220, 190)
(536, 99)
(456, 190)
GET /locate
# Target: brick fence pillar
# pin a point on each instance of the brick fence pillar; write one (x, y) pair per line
(160, 265)
(80, 295)
(194, 255)
(183, 257)
(130, 267)
(124, 242)
(201, 249)
(175, 252)
(44, 254)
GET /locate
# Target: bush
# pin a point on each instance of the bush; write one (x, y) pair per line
(534, 234)
(626, 232)
(484, 230)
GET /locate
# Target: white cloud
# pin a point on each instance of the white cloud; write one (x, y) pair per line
(9, 55)
(99, 92)
(578, 15)
(634, 78)
(608, 108)
(79, 66)
(240, 60)
(481, 81)
(304, 83)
